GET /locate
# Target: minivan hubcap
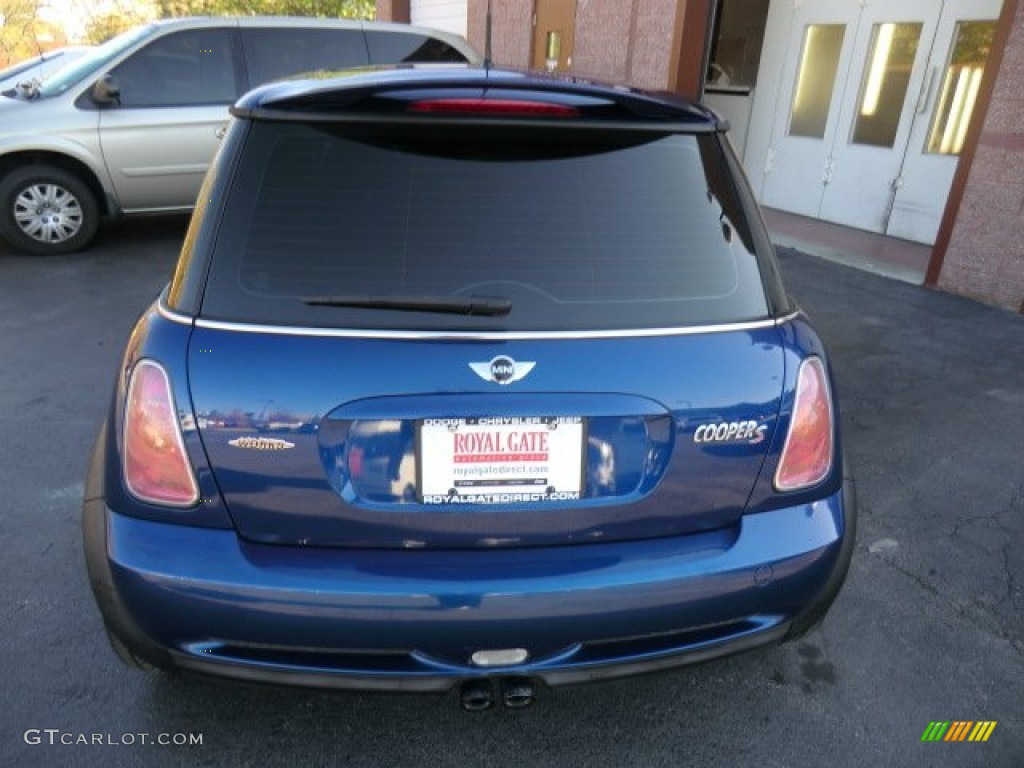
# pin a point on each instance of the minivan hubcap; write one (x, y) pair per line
(48, 213)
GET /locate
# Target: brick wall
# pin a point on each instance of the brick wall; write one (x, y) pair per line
(511, 30)
(621, 41)
(625, 41)
(393, 10)
(603, 39)
(985, 256)
(651, 64)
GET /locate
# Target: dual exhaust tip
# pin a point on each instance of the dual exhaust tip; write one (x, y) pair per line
(482, 693)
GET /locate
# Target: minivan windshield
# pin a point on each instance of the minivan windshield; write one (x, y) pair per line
(22, 66)
(92, 62)
(562, 229)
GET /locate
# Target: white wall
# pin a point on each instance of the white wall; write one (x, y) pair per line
(449, 15)
(734, 104)
(766, 94)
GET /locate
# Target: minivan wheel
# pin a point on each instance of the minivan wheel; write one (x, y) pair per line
(47, 210)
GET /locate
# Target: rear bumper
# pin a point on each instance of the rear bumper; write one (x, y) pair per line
(204, 600)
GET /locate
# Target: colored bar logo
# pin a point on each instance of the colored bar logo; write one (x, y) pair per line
(959, 730)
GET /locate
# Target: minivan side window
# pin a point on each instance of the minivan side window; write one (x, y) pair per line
(188, 68)
(401, 47)
(271, 54)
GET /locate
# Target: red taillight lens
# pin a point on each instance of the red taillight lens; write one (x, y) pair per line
(504, 107)
(156, 468)
(807, 455)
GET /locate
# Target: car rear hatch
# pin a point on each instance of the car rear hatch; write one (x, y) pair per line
(400, 443)
(455, 329)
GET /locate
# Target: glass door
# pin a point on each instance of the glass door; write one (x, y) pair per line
(554, 25)
(804, 127)
(943, 112)
(873, 109)
(875, 117)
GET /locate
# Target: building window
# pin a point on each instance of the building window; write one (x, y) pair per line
(960, 86)
(816, 80)
(883, 88)
(736, 43)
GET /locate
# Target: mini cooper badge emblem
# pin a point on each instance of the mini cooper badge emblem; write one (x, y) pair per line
(501, 370)
(261, 443)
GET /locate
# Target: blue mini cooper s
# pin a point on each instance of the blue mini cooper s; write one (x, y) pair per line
(468, 378)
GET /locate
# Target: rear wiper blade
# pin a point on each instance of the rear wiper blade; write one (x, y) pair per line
(490, 306)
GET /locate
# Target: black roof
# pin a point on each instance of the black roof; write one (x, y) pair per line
(390, 90)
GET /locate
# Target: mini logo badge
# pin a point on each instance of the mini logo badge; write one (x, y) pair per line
(261, 443)
(501, 370)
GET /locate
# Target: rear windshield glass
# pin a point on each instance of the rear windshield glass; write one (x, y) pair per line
(573, 229)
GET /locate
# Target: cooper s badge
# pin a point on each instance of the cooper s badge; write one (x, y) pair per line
(502, 370)
(749, 432)
(261, 443)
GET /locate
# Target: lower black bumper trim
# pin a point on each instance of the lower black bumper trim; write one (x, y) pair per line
(428, 683)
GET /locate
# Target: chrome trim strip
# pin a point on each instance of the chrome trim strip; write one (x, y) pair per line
(174, 317)
(366, 333)
(159, 209)
(165, 170)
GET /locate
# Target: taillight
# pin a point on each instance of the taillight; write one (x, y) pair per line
(156, 468)
(504, 107)
(807, 454)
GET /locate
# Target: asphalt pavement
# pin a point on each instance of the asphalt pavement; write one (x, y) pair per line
(929, 627)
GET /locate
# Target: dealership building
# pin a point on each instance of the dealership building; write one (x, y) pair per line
(899, 118)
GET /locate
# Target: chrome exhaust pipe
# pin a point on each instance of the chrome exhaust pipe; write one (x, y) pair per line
(517, 692)
(476, 695)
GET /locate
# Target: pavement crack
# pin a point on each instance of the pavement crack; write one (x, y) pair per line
(979, 618)
(1012, 587)
(919, 580)
(973, 520)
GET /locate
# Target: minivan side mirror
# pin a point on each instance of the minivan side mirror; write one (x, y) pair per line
(105, 92)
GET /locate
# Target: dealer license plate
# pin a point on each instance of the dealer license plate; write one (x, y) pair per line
(501, 459)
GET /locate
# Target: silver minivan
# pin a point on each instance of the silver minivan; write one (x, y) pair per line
(132, 126)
